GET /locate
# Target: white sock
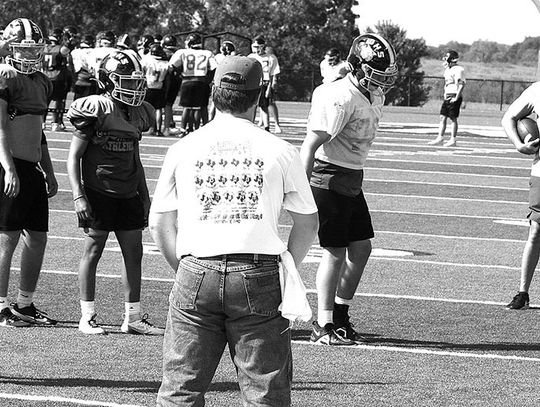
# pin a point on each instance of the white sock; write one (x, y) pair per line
(133, 311)
(24, 298)
(88, 308)
(342, 301)
(324, 317)
(3, 303)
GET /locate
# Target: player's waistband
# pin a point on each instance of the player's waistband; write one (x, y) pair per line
(254, 257)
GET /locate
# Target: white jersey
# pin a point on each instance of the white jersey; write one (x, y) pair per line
(269, 64)
(155, 71)
(95, 57)
(452, 77)
(228, 182)
(341, 110)
(193, 63)
(80, 58)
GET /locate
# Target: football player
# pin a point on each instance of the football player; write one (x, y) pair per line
(332, 66)
(156, 70)
(170, 46)
(108, 183)
(454, 82)
(105, 44)
(27, 177)
(271, 69)
(342, 124)
(56, 59)
(196, 66)
(84, 85)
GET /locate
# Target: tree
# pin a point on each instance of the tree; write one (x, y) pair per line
(409, 89)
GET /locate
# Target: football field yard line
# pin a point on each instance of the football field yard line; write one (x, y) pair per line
(453, 164)
(401, 170)
(431, 352)
(14, 396)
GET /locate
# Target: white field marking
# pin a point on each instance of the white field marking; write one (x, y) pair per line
(451, 164)
(512, 177)
(442, 198)
(63, 400)
(446, 184)
(512, 222)
(432, 352)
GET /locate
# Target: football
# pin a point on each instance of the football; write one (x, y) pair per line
(527, 129)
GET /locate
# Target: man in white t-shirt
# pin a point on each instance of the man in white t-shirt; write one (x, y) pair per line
(454, 81)
(342, 125)
(214, 217)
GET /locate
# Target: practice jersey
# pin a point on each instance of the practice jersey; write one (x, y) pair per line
(452, 77)
(231, 179)
(269, 64)
(193, 63)
(81, 68)
(27, 98)
(95, 57)
(109, 164)
(341, 110)
(155, 71)
(55, 59)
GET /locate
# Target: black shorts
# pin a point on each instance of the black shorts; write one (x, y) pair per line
(193, 93)
(342, 219)
(30, 209)
(156, 97)
(173, 89)
(113, 214)
(451, 109)
(263, 100)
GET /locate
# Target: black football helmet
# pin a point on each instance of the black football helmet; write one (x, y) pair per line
(333, 56)
(194, 41)
(123, 42)
(121, 75)
(27, 50)
(451, 56)
(372, 60)
(157, 51)
(227, 48)
(105, 39)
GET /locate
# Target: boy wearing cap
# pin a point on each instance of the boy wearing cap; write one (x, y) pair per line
(214, 217)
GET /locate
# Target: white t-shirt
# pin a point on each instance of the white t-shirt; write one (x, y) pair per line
(228, 182)
(452, 77)
(341, 110)
(269, 64)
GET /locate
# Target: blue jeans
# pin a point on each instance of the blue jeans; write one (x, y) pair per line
(232, 300)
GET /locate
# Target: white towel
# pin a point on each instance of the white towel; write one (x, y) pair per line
(294, 304)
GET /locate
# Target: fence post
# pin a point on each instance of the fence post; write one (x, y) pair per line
(502, 94)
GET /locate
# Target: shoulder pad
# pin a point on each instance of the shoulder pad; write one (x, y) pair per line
(85, 111)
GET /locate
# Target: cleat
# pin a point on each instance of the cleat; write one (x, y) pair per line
(141, 327)
(171, 132)
(342, 324)
(33, 315)
(435, 142)
(8, 320)
(327, 335)
(450, 143)
(348, 332)
(520, 301)
(58, 127)
(277, 130)
(90, 326)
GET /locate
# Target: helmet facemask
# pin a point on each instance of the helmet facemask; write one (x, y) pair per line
(128, 89)
(374, 78)
(26, 56)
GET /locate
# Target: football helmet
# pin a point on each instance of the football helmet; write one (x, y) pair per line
(124, 42)
(27, 50)
(157, 51)
(194, 41)
(451, 56)
(227, 48)
(333, 56)
(169, 41)
(56, 35)
(372, 60)
(258, 46)
(145, 41)
(121, 75)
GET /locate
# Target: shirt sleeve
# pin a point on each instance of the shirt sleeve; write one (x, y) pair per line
(298, 195)
(326, 114)
(165, 197)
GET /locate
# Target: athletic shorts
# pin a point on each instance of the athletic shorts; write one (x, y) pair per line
(173, 89)
(193, 93)
(263, 100)
(451, 109)
(61, 86)
(156, 97)
(30, 209)
(534, 199)
(113, 214)
(342, 219)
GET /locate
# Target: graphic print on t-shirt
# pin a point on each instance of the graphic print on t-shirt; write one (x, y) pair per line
(229, 183)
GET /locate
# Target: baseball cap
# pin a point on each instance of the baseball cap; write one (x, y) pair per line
(238, 73)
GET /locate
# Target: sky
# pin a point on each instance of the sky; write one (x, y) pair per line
(465, 21)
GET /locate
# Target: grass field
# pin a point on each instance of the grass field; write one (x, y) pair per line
(449, 234)
(478, 70)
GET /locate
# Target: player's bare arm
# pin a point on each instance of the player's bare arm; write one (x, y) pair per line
(11, 180)
(46, 165)
(313, 140)
(520, 108)
(76, 151)
(164, 231)
(303, 233)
